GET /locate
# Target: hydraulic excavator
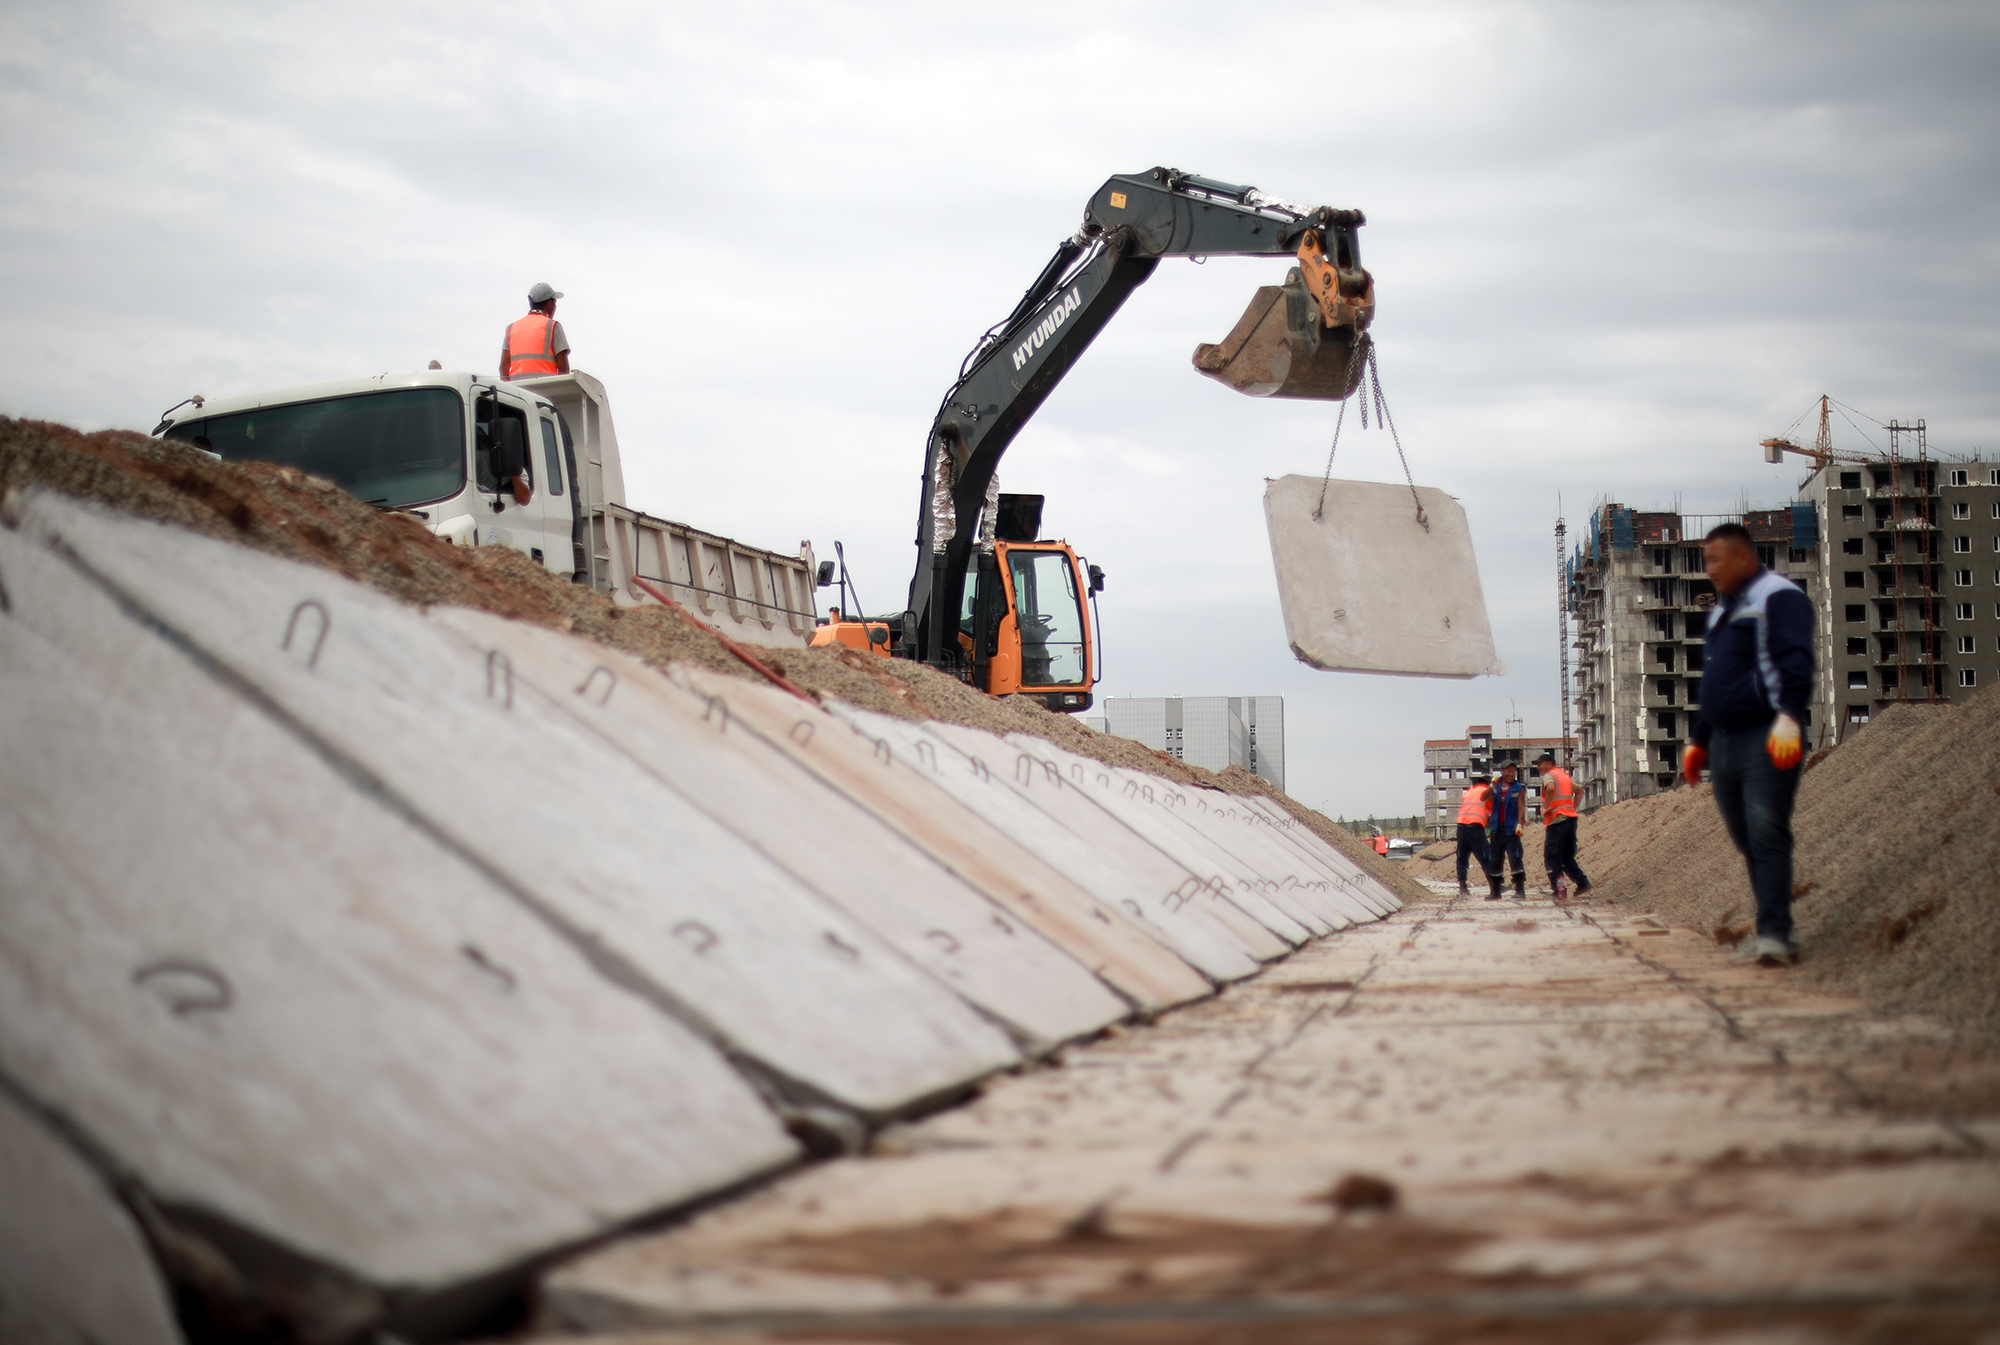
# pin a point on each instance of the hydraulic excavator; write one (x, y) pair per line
(992, 601)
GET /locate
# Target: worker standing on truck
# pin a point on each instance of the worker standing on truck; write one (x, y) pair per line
(1509, 800)
(1475, 814)
(535, 344)
(1750, 708)
(1559, 825)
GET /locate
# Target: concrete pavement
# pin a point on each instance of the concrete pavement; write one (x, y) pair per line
(1472, 1121)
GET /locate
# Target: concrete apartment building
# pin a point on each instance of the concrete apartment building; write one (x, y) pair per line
(1912, 547)
(1450, 764)
(1899, 555)
(1640, 599)
(1215, 732)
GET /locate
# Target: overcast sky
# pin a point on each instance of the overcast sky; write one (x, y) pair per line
(1614, 245)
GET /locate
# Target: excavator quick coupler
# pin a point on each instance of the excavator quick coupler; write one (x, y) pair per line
(1306, 338)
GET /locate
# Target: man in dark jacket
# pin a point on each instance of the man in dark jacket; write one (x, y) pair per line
(1757, 680)
(1509, 797)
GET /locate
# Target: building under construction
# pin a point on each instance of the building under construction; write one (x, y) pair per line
(1911, 546)
(1449, 764)
(1899, 553)
(1640, 598)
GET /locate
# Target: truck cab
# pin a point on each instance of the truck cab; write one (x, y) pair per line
(530, 464)
(430, 444)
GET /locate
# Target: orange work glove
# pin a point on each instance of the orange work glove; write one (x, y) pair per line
(1784, 745)
(1692, 760)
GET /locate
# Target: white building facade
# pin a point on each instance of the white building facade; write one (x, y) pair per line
(1214, 732)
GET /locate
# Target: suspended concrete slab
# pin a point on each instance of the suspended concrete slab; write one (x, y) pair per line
(1365, 587)
(1030, 890)
(823, 838)
(1117, 868)
(324, 1045)
(662, 899)
(74, 1269)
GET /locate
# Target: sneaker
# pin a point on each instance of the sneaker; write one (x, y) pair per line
(1765, 951)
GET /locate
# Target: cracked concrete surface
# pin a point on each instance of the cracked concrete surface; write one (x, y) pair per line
(1472, 1121)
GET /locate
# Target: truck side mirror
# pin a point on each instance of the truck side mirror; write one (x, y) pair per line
(510, 448)
(825, 577)
(1097, 579)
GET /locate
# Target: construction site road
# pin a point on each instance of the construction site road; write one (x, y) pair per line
(1472, 1121)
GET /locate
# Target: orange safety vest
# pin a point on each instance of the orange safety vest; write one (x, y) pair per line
(1558, 794)
(1381, 845)
(531, 346)
(1475, 806)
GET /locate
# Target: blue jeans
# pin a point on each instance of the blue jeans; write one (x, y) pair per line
(1755, 799)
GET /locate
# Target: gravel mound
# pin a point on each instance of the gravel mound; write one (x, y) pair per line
(287, 513)
(1897, 889)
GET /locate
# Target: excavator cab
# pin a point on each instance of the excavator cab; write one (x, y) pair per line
(1306, 338)
(1026, 628)
(1024, 623)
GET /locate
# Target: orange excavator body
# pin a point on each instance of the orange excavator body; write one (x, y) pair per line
(1024, 628)
(868, 637)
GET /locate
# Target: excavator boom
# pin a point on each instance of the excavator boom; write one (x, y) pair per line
(1306, 338)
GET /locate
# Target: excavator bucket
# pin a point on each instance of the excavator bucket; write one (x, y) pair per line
(1280, 348)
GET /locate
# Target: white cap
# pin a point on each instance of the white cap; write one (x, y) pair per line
(542, 292)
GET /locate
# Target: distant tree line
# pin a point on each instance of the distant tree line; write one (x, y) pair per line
(1412, 827)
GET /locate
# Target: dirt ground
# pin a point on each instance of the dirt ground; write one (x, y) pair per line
(1897, 889)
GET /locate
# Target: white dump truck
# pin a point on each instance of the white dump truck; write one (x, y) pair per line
(530, 464)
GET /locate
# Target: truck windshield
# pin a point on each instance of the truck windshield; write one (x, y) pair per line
(400, 447)
(1051, 618)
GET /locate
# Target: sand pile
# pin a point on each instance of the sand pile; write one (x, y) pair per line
(284, 512)
(1897, 891)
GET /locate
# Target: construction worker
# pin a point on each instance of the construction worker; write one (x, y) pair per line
(1380, 842)
(1510, 797)
(535, 344)
(1559, 825)
(1750, 709)
(1475, 814)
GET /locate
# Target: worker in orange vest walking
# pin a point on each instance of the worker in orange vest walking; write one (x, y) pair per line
(1380, 842)
(1475, 813)
(1559, 825)
(535, 344)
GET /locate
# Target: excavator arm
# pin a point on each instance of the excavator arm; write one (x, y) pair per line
(1306, 338)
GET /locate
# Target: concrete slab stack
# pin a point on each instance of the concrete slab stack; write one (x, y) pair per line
(355, 960)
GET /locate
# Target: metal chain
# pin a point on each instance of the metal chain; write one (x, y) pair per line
(1370, 389)
(1382, 417)
(1327, 480)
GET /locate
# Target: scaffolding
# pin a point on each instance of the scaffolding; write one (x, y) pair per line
(1922, 522)
(1563, 691)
